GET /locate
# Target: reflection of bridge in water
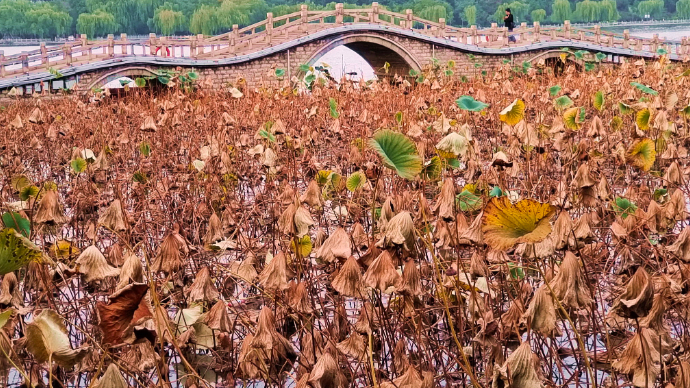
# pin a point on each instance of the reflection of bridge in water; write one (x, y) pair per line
(394, 41)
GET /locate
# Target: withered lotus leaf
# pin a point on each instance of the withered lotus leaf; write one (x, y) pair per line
(398, 231)
(570, 285)
(112, 378)
(640, 359)
(336, 246)
(276, 274)
(521, 369)
(638, 296)
(382, 274)
(114, 217)
(47, 339)
(94, 266)
(505, 224)
(49, 210)
(348, 281)
(125, 309)
(203, 289)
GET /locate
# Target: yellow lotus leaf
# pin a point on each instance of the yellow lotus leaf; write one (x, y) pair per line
(643, 118)
(506, 224)
(570, 118)
(513, 113)
(642, 154)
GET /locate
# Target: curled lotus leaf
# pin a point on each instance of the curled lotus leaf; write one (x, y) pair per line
(513, 113)
(642, 154)
(397, 152)
(506, 224)
(470, 104)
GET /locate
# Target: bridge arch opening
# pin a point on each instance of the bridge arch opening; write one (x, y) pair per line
(376, 51)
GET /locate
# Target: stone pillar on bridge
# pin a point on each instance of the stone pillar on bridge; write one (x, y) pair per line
(111, 45)
(199, 45)
(152, 43)
(409, 18)
(441, 32)
(339, 13)
(374, 16)
(304, 17)
(597, 34)
(44, 53)
(494, 30)
(626, 39)
(566, 28)
(473, 35)
(537, 32)
(233, 37)
(123, 45)
(269, 26)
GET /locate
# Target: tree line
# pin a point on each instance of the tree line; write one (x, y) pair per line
(59, 18)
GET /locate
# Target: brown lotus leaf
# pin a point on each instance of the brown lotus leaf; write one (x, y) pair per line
(214, 233)
(49, 210)
(445, 203)
(583, 178)
(676, 206)
(382, 274)
(17, 122)
(354, 346)
(336, 246)
(149, 124)
(562, 230)
(521, 369)
(171, 252)
(325, 373)
(299, 298)
(114, 217)
(115, 255)
(217, 318)
(443, 237)
(132, 271)
(348, 281)
(10, 292)
(637, 298)
(125, 309)
(541, 313)
(312, 196)
(140, 357)
(683, 375)
(203, 289)
(365, 319)
(570, 285)
(641, 357)
(93, 265)
(681, 246)
(276, 274)
(673, 174)
(473, 233)
(411, 279)
(47, 340)
(112, 378)
(656, 218)
(360, 237)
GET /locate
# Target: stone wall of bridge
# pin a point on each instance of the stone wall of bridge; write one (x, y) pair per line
(402, 53)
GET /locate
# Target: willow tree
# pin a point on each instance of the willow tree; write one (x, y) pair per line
(131, 15)
(538, 15)
(561, 11)
(586, 11)
(683, 9)
(653, 8)
(99, 23)
(167, 21)
(205, 21)
(608, 11)
(518, 9)
(432, 10)
(471, 15)
(46, 20)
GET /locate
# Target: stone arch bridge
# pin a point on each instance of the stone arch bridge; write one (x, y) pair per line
(387, 40)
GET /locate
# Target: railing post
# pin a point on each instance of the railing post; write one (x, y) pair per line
(494, 30)
(67, 53)
(441, 32)
(374, 16)
(339, 13)
(2, 63)
(304, 16)
(523, 28)
(597, 34)
(505, 36)
(163, 44)
(111, 45)
(473, 35)
(44, 54)
(537, 32)
(123, 43)
(566, 27)
(408, 18)
(152, 44)
(233, 37)
(192, 47)
(83, 39)
(626, 39)
(199, 44)
(655, 43)
(269, 26)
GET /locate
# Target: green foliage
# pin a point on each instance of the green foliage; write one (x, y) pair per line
(561, 11)
(397, 152)
(168, 21)
(471, 15)
(653, 8)
(518, 9)
(588, 11)
(554, 90)
(538, 15)
(17, 222)
(333, 108)
(470, 104)
(644, 88)
(683, 9)
(22, 18)
(624, 207)
(98, 23)
(78, 165)
(468, 202)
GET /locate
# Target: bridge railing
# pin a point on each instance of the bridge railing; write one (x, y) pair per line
(276, 30)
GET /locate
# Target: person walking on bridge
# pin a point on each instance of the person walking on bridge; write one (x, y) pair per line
(508, 21)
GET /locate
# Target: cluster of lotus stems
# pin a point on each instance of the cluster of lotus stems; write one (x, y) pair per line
(514, 230)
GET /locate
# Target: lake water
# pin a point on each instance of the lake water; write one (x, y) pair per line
(342, 60)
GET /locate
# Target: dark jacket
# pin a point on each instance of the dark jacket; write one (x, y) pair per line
(509, 22)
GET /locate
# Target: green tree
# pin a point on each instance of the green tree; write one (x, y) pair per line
(44, 20)
(683, 9)
(471, 15)
(538, 15)
(131, 15)
(608, 11)
(95, 24)
(518, 9)
(653, 8)
(431, 10)
(586, 11)
(561, 11)
(205, 21)
(166, 21)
